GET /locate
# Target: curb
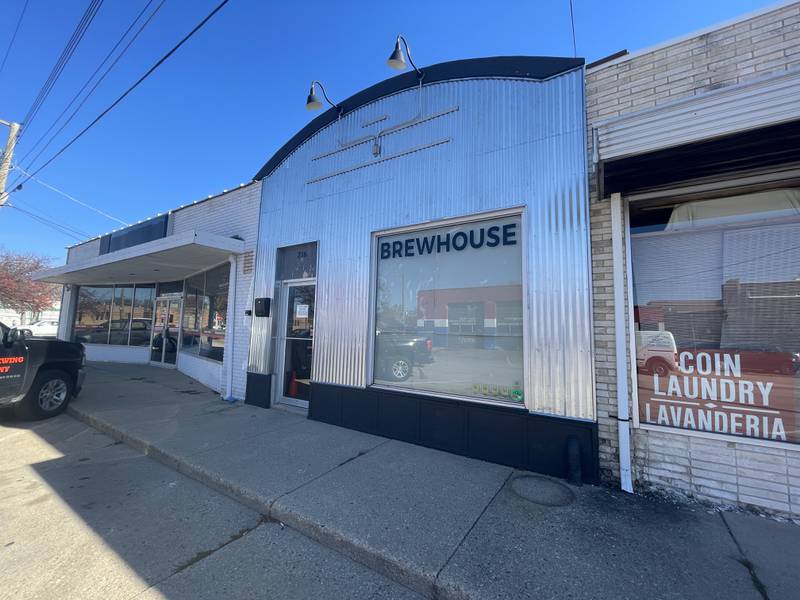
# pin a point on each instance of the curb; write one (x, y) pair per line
(398, 571)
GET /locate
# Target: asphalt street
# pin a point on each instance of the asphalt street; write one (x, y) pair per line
(83, 516)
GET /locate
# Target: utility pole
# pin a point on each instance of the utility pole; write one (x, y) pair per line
(5, 163)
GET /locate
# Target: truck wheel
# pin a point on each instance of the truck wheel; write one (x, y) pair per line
(658, 366)
(400, 369)
(49, 395)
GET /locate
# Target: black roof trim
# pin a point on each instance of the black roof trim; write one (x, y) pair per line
(526, 67)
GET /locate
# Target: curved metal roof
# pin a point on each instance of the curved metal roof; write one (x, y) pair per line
(524, 67)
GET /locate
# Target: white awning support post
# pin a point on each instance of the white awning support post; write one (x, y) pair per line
(623, 411)
(230, 330)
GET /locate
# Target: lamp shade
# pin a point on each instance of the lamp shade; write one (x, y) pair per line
(396, 59)
(312, 102)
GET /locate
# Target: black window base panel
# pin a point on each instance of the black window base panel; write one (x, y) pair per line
(504, 435)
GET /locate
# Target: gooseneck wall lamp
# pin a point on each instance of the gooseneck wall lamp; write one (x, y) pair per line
(314, 103)
(398, 61)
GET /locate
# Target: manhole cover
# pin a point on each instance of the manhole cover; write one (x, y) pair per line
(541, 490)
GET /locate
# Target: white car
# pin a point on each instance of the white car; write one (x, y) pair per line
(44, 328)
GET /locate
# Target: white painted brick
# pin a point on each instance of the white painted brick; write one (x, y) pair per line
(763, 484)
(714, 483)
(714, 473)
(761, 503)
(766, 494)
(715, 494)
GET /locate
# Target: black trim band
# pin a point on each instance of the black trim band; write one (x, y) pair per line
(506, 435)
(524, 67)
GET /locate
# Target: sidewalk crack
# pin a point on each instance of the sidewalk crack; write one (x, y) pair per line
(205, 554)
(745, 562)
(466, 535)
(310, 481)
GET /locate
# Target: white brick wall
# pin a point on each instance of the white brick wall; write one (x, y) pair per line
(208, 372)
(232, 213)
(718, 469)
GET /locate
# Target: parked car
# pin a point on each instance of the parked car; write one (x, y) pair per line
(43, 328)
(768, 360)
(38, 377)
(656, 352)
(398, 353)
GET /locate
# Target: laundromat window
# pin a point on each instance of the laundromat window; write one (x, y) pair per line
(448, 310)
(717, 314)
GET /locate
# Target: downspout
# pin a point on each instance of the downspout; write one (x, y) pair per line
(623, 412)
(230, 326)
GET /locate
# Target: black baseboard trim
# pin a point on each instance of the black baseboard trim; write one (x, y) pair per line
(259, 389)
(505, 435)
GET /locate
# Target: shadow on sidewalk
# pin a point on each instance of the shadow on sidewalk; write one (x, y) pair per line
(445, 525)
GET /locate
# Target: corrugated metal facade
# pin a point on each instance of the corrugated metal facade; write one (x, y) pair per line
(768, 101)
(469, 146)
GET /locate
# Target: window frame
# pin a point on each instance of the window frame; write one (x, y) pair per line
(519, 211)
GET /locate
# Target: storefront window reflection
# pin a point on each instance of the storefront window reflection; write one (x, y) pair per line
(717, 311)
(449, 310)
(92, 314)
(142, 317)
(120, 315)
(205, 313)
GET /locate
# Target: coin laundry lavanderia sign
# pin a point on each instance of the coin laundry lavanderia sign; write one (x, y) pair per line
(710, 391)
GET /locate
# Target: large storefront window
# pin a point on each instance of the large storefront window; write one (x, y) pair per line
(448, 313)
(717, 295)
(205, 313)
(93, 314)
(120, 315)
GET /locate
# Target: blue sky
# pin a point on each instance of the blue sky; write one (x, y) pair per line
(218, 109)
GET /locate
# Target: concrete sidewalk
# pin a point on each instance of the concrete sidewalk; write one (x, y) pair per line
(445, 526)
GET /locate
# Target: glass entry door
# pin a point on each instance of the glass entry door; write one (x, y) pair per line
(296, 342)
(166, 331)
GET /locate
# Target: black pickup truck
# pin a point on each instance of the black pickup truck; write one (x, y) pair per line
(398, 353)
(38, 376)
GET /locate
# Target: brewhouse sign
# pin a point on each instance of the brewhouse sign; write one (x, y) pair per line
(479, 237)
(710, 391)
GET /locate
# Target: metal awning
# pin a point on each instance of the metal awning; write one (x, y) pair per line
(764, 102)
(166, 259)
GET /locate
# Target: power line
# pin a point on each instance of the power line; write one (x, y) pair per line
(63, 59)
(48, 222)
(14, 36)
(572, 22)
(89, 80)
(149, 72)
(66, 195)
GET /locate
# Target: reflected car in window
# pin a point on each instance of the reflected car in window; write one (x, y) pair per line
(140, 332)
(768, 360)
(398, 353)
(43, 328)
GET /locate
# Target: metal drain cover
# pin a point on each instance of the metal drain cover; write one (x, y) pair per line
(543, 491)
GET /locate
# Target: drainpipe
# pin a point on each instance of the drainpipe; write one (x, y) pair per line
(230, 330)
(623, 412)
